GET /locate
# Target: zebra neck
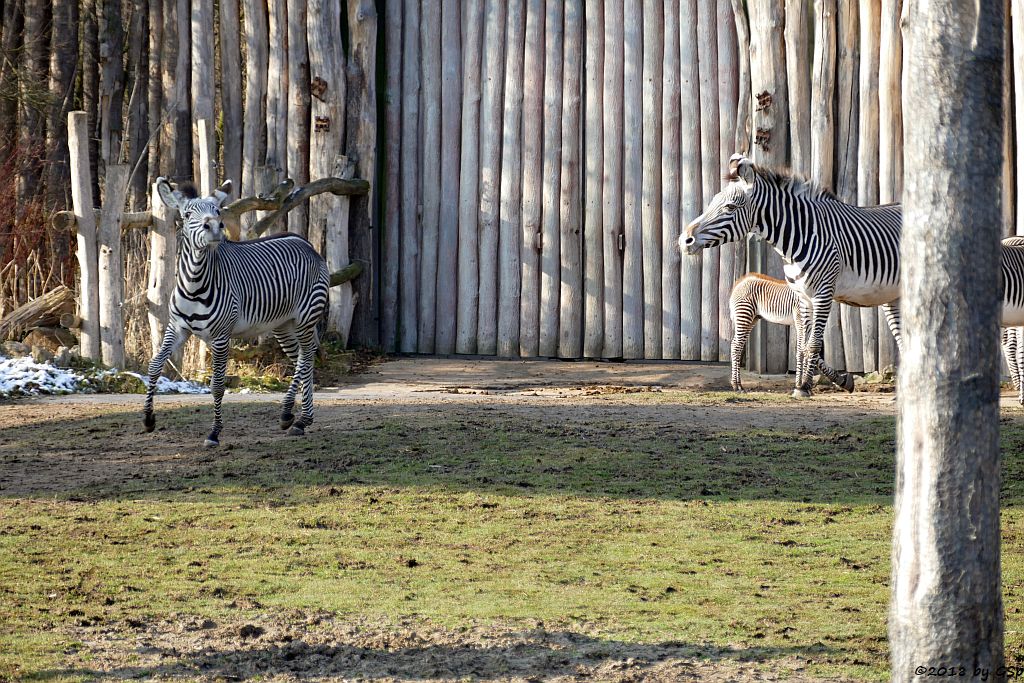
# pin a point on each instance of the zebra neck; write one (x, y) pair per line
(196, 269)
(780, 217)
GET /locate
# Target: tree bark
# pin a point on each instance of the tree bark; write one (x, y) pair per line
(451, 121)
(111, 37)
(155, 105)
(182, 141)
(593, 220)
(469, 177)
(430, 173)
(946, 595)
(63, 65)
(510, 209)
(651, 208)
(138, 101)
(391, 254)
(299, 108)
(611, 196)
(550, 260)
(570, 340)
(691, 195)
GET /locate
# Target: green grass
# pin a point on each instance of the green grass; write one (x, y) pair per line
(775, 542)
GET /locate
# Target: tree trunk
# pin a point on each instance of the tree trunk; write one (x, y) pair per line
(729, 255)
(469, 177)
(10, 43)
(651, 208)
(31, 99)
(711, 171)
(231, 92)
(670, 137)
(203, 70)
(593, 221)
(570, 340)
(611, 195)
(361, 143)
(533, 177)
(90, 79)
(550, 259)
(138, 101)
(111, 37)
(890, 149)
(277, 88)
(867, 154)
(409, 271)
(298, 111)
(85, 218)
(946, 594)
(632, 183)
(180, 81)
(451, 121)
(155, 105)
(110, 268)
(1017, 17)
(162, 260)
(254, 140)
(798, 78)
(63, 65)
(511, 184)
(691, 195)
(392, 167)
(852, 358)
(743, 107)
(430, 173)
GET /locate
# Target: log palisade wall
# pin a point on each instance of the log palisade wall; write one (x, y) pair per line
(531, 161)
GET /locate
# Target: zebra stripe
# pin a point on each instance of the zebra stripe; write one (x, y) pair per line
(755, 296)
(228, 289)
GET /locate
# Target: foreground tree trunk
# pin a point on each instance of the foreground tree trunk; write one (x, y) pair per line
(946, 602)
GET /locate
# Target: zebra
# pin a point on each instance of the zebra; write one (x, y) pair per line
(227, 289)
(756, 296)
(830, 249)
(1012, 313)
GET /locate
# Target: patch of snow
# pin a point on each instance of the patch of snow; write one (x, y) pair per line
(169, 386)
(23, 376)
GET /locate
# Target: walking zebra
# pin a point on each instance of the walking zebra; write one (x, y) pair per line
(758, 296)
(830, 249)
(230, 289)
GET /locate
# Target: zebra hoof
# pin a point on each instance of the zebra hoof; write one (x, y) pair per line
(801, 393)
(286, 420)
(848, 383)
(211, 443)
(149, 420)
(297, 430)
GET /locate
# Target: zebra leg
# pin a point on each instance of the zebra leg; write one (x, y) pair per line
(1016, 333)
(173, 339)
(289, 342)
(744, 319)
(304, 372)
(821, 305)
(892, 317)
(219, 347)
(800, 324)
(1008, 340)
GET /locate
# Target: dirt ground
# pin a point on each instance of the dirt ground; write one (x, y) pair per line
(303, 646)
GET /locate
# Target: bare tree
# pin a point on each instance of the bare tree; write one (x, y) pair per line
(946, 601)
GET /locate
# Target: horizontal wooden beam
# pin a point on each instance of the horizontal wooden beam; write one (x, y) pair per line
(346, 274)
(281, 203)
(65, 220)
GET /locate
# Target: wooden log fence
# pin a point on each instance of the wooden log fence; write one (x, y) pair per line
(538, 159)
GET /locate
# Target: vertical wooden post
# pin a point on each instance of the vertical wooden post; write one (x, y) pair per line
(691, 195)
(570, 341)
(298, 108)
(451, 119)
(550, 266)
(1009, 152)
(155, 103)
(469, 177)
(256, 53)
(231, 92)
(511, 184)
(200, 24)
(846, 166)
(81, 194)
(651, 208)
(593, 220)
(632, 184)
(326, 222)
(798, 78)
(711, 170)
(430, 173)
(867, 153)
(206, 145)
(670, 222)
(392, 167)
(890, 148)
(492, 77)
(180, 78)
(110, 268)
(361, 143)
(277, 88)
(728, 92)
(409, 271)
(611, 196)
(533, 178)
(162, 262)
(1017, 67)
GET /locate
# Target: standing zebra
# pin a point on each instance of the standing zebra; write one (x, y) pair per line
(830, 249)
(758, 296)
(230, 289)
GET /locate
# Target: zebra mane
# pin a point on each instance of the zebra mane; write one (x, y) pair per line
(188, 190)
(794, 184)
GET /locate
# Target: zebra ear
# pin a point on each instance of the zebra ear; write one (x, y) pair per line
(222, 192)
(740, 167)
(172, 199)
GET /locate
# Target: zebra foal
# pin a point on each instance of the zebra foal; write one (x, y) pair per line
(226, 289)
(757, 296)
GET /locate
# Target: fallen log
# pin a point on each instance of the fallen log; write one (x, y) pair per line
(27, 315)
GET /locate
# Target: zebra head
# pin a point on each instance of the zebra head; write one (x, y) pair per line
(729, 216)
(202, 226)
